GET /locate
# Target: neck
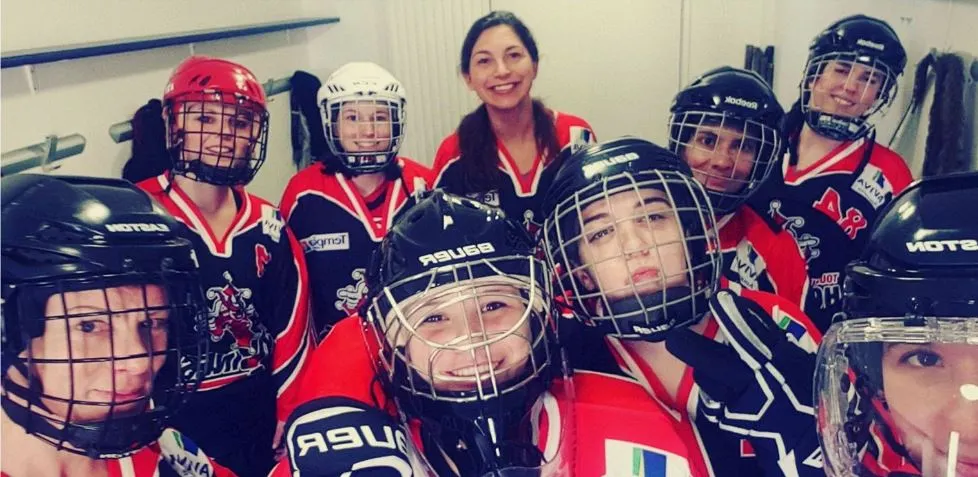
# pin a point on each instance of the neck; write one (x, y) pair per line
(25, 455)
(368, 183)
(209, 198)
(812, 146)
(512, 124)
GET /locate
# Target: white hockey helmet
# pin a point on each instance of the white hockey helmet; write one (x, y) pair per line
(352, 85)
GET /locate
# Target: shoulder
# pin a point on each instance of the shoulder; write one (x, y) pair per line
(307, 178)
(567, 121)
(447, 150)
(153, 185)
(342, 365)
(786, 314)
(572, 130)
(893, 167)
(411, 168)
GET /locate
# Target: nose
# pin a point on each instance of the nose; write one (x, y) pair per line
(132, 346)
(367, 129)
(635, 238)
(501, 68)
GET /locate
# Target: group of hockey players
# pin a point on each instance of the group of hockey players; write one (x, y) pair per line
(767, 294)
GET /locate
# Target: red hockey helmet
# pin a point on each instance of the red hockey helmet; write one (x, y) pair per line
(217, 121)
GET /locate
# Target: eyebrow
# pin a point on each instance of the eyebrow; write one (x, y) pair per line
(645, 201)
(504, 51)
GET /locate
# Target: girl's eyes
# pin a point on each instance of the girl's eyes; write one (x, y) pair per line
(600, 233)
(92, 326)
(921, 359)
(708, 140)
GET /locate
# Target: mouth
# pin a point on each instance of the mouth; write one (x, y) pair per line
(219, 150)
(480, 370)
(645, 274)
(843, 102)
(504, 88)
(965, 467)
(121, 397)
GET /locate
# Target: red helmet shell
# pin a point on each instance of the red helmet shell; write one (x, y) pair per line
(200, 75)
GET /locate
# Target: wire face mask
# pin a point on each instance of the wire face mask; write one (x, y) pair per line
(469, 347)
(900, 395)
(636, 253)
(217, 138)
(729, 155)
(112, 359)
(844, 94)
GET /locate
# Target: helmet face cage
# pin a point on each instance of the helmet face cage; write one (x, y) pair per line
(466, 333)
(729, 155)
(898, 394)
(636, 252)
(105, 361)
(371, 126)
(216, 137)
(843, 94)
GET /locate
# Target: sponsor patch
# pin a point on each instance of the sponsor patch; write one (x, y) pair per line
(326, 242)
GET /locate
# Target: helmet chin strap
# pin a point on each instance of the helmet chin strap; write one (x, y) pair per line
(648, 317)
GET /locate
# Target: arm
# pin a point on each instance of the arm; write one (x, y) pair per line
(293, 341)
(758, 386)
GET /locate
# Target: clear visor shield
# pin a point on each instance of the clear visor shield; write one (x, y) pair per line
(364, 132)
(728, 155)
(219, 139)
(846, 88)
(899, 398)
(634, 239)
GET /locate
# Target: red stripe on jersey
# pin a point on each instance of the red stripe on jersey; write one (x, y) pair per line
(844, 159)
(293, 344)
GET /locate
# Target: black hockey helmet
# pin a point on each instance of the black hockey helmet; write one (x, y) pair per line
(734, 98)
(460, 307)
(910, 322)
(102, 311)
(672, 260)
(853, 40)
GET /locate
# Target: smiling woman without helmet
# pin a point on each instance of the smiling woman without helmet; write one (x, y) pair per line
(504, 153)
(103, 331)
(217, 126)
(835, 179)
(898, 375)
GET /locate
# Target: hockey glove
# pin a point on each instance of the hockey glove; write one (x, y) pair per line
(759, 385)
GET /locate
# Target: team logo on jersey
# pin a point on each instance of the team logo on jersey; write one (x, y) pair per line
(350, 297)
(826, 290)
(262, 257)
(636, 460)
(579, 138)
(271, 222)
(807, 243)
(326, 242)
(747, 266)
(851, 222)
(873, 186)
(232, 314)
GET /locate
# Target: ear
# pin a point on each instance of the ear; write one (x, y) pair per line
(468, 81)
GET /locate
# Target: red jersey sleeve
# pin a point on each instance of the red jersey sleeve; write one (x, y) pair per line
(293, 341)
(894, 168)
(343, 365)
(448, 152)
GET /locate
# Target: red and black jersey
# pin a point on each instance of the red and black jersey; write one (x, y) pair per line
(712, 451)
(339, 229)
(829, 208)
(760, 255)
(519, 195)
(173, 454)
(607, 426)
(254, 282)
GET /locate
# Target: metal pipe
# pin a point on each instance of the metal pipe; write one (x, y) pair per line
(43, 154)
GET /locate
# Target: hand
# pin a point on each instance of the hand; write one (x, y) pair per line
(760, 385)
(337, 436)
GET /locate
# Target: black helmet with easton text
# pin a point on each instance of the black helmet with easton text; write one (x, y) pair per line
(726, 126)
(631, 237)
(461, 310)
(851, 76)
(897, 375)
(103, 317)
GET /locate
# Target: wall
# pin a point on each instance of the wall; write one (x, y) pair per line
(88, 95)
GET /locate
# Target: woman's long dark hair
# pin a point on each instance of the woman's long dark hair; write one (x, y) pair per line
(477, 143)
(150, 157)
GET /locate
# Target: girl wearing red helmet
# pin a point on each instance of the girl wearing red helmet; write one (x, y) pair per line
(216, 132)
